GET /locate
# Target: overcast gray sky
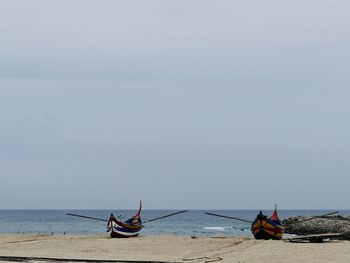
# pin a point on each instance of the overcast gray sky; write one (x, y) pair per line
(183, 104)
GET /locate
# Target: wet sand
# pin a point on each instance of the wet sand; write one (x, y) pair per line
(166, 248)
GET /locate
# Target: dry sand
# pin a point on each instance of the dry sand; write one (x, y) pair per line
(168, 248)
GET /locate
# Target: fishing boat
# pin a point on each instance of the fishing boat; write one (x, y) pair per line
(264, 227)
(128, 228)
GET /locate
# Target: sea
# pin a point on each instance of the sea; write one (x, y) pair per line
(191, 223)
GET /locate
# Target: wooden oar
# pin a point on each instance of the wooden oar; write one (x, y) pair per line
(88, 217)
(328, 214)
(172, 214)
(150, 220)
(320, 216)
(229, 217)
(315, 217)
(340, 218)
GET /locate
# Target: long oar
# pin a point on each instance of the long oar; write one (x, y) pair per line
(229, 217)
(315, 217)
(320, 216)
(88, 217)
(328, 214)
(165, 216)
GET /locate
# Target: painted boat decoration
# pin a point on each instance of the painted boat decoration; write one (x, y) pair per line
(128, 228)
(263, 227)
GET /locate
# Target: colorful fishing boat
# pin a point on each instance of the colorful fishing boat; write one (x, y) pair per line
(128, 228)
(264, 227)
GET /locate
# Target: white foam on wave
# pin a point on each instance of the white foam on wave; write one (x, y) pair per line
(218, 228)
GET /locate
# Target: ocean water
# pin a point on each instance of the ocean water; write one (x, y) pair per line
(190, 223)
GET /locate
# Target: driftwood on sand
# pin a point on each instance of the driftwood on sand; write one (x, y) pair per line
(310, 225)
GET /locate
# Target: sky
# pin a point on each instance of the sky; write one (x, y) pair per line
(191, 104)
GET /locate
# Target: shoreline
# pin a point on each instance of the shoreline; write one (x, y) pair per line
(164, 248)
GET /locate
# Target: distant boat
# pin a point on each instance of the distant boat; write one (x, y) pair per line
(128, 228)
(264, 227)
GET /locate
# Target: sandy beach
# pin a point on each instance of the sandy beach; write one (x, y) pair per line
(167, 248)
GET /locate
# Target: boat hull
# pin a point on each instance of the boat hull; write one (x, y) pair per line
(121, 234)
(125, 231)
(267, 229)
